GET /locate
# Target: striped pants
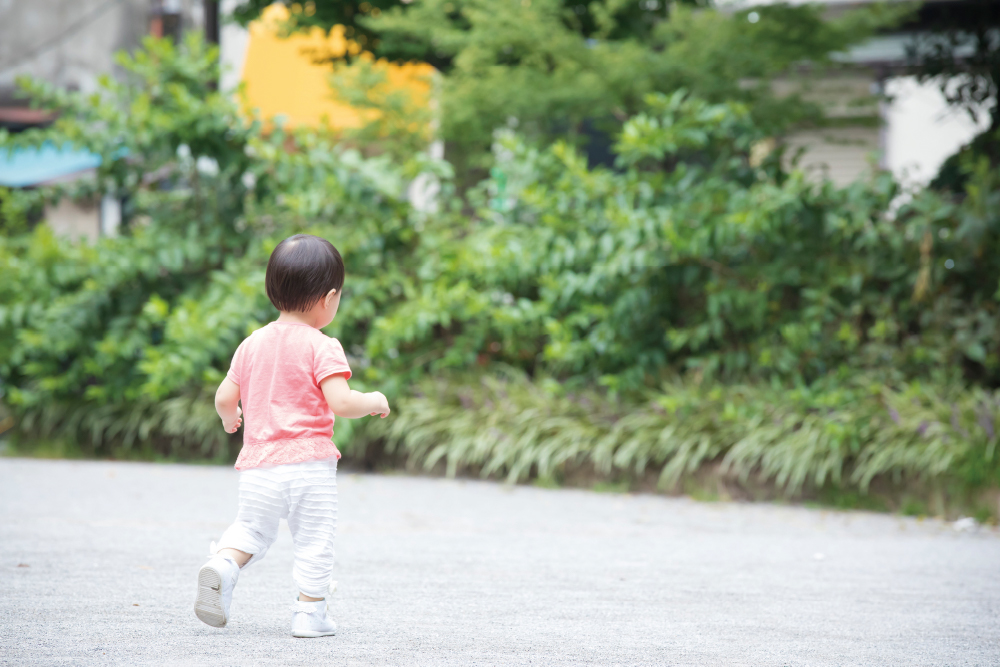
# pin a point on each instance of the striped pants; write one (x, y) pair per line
(306, 495)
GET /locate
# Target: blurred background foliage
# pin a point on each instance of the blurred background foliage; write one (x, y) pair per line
(692, 307)
(577, 71)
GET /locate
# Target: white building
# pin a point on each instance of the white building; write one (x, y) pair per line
(916, 130)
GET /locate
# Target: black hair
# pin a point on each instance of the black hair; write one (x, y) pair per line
(300, 272)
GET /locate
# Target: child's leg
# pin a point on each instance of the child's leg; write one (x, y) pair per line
(262, 505)
(241, 557)
(312, 519)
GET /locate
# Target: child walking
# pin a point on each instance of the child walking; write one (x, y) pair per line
(291, 380)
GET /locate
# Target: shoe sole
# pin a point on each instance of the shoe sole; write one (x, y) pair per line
(310, 634)
(208, 604)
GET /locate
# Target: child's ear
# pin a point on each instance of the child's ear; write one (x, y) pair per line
(328, 299)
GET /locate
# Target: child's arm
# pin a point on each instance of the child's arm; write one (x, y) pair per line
(227, 399)
(345, 402)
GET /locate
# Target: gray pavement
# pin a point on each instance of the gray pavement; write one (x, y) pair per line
(98, 563)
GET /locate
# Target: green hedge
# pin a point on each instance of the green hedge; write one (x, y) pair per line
(697, 272)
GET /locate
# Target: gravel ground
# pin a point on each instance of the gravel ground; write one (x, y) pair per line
(98, 563)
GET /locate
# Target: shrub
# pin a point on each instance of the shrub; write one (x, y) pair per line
(690, 258)
(119, 343)
(695, 304)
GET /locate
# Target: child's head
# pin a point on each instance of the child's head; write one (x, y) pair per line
(304, 274)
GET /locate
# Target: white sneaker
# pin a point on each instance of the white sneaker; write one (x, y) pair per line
(216, 581)
(309, 619)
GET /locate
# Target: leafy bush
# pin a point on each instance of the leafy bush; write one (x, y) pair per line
(695, 304)
(122, 342)
(692, 259)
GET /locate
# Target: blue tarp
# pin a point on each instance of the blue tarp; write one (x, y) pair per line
(30, 166)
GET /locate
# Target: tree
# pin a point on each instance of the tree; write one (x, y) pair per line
(631, 19)
(557, 67)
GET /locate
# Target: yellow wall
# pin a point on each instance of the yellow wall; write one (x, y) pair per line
(281, 77)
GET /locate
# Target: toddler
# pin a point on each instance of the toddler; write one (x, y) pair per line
(291, 380)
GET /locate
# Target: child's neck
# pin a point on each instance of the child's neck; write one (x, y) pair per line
(306, 317)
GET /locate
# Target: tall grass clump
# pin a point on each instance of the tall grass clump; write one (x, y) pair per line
(790, 442)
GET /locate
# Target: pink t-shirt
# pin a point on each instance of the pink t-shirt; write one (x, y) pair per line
(285, 416)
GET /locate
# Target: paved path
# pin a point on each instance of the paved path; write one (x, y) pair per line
(98, 563)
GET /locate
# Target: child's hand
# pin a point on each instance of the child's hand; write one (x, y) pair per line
(234, 424)
(381, 404)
